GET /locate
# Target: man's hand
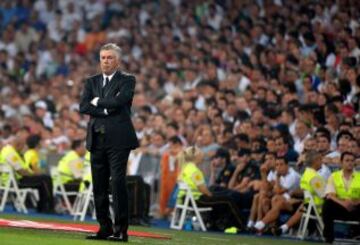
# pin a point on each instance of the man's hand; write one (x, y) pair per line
(94, 101)
(239, 167)
(348, 204)
(213, 166)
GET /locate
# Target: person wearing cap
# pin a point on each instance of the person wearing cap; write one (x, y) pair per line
(240, 185)
(244, 172)
(221, 161)
(342, 196)
(42, 113)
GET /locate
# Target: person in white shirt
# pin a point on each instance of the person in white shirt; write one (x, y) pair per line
(286, 185)
(312, 160)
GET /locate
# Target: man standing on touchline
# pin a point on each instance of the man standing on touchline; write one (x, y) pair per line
(107, 98)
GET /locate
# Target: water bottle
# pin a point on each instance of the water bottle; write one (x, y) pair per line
(195, 223)
(188, 224)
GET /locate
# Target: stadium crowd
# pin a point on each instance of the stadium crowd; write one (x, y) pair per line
(255, 85)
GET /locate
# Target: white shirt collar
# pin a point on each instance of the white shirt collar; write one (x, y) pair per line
(109, 76)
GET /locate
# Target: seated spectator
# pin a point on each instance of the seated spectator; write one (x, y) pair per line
(221, 168)
(261, 200)
(244, 172)
(31, 156)
(311, 181)
(286, 185)
(284, 150)
(342, 196)
(222, 206)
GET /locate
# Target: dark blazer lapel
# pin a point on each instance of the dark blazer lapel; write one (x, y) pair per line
(113, 84)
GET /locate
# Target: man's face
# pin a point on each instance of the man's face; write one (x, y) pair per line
(174, 148)
(270, 159)
(218, 161)
(323, 144)
(301, 129)
(271, 146)
(281, 167)
(348, 162)
(109, 61)
(343, 145)
(280, 146)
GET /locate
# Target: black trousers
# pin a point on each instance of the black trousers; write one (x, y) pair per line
(109, 161)
(332, 211)
(43, 184)
(222, 206)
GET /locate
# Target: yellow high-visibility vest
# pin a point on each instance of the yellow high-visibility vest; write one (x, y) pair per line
(66, 174)
(32, 158)
(353, 192)
(305, 184)
(187, 174)
(10, 156)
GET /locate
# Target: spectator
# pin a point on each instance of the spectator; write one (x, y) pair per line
(312, 181)
(341, 202)
(221, 161)
(31, 156)
(169, 166)
(285, 187)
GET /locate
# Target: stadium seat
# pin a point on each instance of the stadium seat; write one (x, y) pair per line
(189, 204)
(10, 191)
(310, 212)
(82, 203)
(59, 189)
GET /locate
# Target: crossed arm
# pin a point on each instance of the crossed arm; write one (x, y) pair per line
(101, 107)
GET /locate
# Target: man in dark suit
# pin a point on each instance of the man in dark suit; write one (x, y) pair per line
(107, 98)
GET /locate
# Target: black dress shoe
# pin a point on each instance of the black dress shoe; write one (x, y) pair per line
(119, 237)
(101, 235)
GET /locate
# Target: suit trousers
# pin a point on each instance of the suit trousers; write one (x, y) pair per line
(109, 162)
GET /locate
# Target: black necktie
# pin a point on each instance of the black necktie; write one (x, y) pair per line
(106, 81)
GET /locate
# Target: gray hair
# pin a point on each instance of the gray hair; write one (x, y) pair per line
(112, 46)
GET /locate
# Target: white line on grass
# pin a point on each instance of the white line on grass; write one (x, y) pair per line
(213, 238)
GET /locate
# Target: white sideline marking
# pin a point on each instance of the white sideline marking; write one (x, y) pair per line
(213, 238)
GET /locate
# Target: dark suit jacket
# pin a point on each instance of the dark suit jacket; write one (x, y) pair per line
(117, 98)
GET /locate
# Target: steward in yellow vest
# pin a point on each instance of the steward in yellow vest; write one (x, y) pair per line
(24, 175)
(71, 166)
(342, 196)
(191, 175)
